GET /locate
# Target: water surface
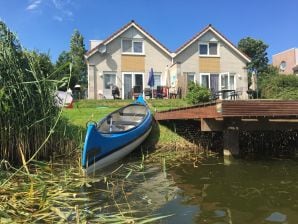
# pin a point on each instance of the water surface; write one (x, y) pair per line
(213, 192)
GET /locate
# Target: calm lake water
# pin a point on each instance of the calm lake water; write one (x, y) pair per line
(212, 192)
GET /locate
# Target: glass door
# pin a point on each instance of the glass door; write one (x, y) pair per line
(214, 82)
(139, 81)
(127, 86)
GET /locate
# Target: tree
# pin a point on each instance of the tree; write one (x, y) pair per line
(77, 51)
(256, 50)
(63, 71)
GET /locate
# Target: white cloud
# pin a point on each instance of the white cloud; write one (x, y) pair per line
(60, 9)
(58, 18)
(33, 5)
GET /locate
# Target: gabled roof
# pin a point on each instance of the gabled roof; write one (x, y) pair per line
(121, 31)
(219, 35)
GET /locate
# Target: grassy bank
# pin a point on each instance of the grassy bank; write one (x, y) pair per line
(56, 191)
(94, 110)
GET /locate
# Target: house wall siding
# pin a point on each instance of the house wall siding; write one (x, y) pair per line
(156, 59)
(189, 58)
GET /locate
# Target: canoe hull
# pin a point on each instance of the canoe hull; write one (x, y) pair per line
(115, 136)
(116, 156)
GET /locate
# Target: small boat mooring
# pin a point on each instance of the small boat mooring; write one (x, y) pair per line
(231, 117)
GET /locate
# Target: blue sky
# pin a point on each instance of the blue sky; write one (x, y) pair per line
(47, 25)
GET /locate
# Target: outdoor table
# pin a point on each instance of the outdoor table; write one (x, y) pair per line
(225, 93)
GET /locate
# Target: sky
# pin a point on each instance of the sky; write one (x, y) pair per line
(47, 25)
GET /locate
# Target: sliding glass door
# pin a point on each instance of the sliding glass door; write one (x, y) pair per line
(131, 80)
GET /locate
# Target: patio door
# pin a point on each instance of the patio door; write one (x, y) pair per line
(138, 78)
(214, 82)
(228, 81)
(127, 86)
(129, 81)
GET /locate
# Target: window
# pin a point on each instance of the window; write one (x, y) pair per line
(213, 48)
(283, 65)
(157, 79)
(203, 49)
(109, 79)
(228, 81)
(138, 47)
(190, 77)
(126, 45)
(132, 46)
(208, 49)
(205, 80)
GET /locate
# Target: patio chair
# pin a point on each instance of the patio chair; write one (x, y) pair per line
(136, 91)
(160, 92)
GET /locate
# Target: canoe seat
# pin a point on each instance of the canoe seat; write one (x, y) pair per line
(132, 114)
(125, 123)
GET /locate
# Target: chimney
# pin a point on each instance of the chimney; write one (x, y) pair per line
(94, 43)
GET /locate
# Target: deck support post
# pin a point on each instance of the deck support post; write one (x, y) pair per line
(231, 142)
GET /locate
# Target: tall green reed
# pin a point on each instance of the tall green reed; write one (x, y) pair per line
(28, 113)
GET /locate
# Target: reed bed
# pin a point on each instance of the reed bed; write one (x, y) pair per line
(30, 124)
(58, 192)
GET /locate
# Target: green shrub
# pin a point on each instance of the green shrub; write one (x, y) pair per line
(197, 94)
(280, 87)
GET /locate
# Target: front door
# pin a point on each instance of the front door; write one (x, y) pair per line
(214, 82)
(127, 86)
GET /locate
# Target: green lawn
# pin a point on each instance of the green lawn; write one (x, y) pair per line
(94, 110)
(80, 116)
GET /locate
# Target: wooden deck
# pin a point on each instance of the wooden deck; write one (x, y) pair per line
(234, 109)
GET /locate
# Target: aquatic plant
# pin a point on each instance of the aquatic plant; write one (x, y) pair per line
(30, 124)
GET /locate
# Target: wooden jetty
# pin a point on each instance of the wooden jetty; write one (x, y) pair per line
(232, 116)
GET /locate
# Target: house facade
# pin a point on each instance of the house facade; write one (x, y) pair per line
(125, 58)
(286, 61)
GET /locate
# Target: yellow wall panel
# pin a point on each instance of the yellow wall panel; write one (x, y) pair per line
(209, 64)
(133, 63)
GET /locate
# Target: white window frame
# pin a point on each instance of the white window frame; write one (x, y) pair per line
(208, 47)
(107, 92)
(220, 77)
(229, 75)
(132, 47)
(109, 73)
(133, 80)
(160, 76)
(205, 74)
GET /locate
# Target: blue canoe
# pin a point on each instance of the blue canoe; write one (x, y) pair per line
(116, 135)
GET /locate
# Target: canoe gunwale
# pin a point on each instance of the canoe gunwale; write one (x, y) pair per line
(136, 125)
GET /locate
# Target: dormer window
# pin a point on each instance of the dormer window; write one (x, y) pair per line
(208, 49)
(132, 46)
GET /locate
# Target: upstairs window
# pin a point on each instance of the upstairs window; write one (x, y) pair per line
(208, 49)
(132, 46)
